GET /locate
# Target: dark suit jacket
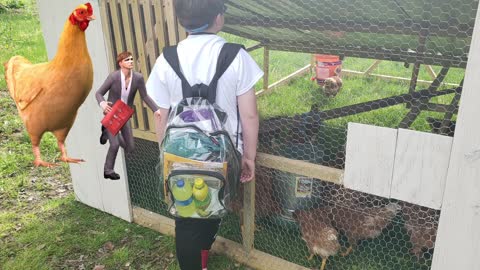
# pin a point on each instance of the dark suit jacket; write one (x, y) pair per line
(113, 85)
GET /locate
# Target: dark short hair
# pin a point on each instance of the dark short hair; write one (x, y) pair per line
(123, 55)
(193, 14)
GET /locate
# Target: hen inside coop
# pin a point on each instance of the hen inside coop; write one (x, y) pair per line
(392, 64)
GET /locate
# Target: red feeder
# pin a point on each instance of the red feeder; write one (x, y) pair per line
(327, 66)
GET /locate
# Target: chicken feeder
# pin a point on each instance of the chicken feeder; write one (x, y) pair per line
(296, 192)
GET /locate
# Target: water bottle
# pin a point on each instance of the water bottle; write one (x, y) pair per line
(201, 196)
(182, 193)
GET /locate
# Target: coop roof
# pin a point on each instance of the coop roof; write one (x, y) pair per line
(432, 32)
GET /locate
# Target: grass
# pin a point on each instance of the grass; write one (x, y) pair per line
(65, 234)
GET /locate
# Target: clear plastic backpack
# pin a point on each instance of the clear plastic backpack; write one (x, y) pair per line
(200, 165)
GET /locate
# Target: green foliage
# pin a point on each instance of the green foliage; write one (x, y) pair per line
(66, 234)
(7, 5)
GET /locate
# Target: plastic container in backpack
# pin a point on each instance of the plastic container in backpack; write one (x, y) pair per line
(327, 66)
(201, 196)
(182, 193)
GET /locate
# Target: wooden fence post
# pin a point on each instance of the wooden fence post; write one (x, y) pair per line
(457, 244)
(248, 226)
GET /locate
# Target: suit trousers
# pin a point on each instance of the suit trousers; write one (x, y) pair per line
(124, 138)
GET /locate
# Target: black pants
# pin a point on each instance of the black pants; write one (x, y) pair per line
(191, 237)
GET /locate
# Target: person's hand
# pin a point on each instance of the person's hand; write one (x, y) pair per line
(157, 113)
(248, 170)
(106, 107)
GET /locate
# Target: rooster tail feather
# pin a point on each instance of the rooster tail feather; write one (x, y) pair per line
(9, 76)
(11, 70)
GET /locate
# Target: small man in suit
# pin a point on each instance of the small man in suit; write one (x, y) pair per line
(121, 84)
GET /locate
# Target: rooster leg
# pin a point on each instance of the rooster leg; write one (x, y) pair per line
(348, 251)
(61, 135)
(36, 152)
(310, 257)
(324, 262)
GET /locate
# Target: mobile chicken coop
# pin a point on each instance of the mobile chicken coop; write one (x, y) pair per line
(329, 177)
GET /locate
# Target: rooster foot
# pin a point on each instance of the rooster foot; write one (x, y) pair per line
(348, 251)
(324, 262)
(71, 160)
(41, 163)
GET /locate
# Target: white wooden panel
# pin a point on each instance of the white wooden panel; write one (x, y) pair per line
(421, 164)
(370, 158)
(458, 239)
(83, 140)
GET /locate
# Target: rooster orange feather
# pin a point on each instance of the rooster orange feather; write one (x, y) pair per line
(48, 95)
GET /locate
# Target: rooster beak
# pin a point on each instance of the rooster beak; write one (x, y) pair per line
(91, 18)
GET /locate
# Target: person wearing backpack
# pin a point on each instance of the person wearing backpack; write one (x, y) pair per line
(198, 56)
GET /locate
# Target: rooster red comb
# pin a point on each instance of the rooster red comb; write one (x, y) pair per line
(89, 8)
(82, 15)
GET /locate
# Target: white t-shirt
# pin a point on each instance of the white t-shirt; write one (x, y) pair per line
(198, 56)
(126, 88)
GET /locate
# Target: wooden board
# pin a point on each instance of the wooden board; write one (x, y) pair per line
(107, 35)
(421, 164)
(458, 239)
(284, 80)
(159, 24)
(117, 30)
(169, 12)
(141, 62)
(300, 167)
(370, 154)
(150, 38)
(127, 26)
(145, 134)
(248, 211)
(254, 258)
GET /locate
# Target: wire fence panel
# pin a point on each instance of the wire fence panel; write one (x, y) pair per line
(308, 217)
(392, 63)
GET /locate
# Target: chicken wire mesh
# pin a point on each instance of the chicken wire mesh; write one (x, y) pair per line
(353, 230)
(423, 46)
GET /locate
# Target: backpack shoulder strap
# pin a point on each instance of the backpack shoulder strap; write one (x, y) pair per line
(225, 58)
(171, 55)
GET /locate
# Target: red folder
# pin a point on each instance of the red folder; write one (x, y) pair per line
(117, 117)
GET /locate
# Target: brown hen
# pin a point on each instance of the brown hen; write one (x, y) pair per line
(358, 222)
(421, 224)
(332, 86)
(317, 232)
(48, 95)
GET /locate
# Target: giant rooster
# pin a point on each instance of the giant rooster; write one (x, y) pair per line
(48, 95)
